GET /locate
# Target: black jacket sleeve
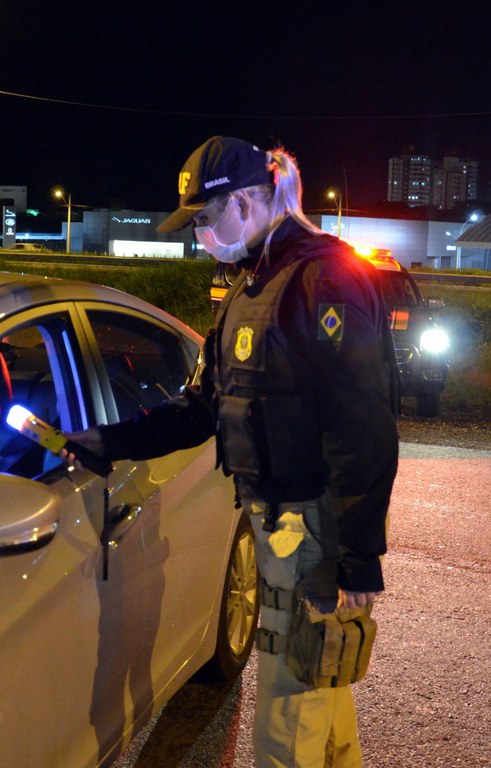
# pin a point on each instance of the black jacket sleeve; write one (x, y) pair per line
(183, 422)
(360, 438)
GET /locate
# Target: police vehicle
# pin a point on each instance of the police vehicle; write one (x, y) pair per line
(421, 343)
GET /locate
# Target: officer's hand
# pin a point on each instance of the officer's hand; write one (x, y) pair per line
(348, 599)
(90, 438)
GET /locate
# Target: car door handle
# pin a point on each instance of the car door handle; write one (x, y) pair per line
(121, 518)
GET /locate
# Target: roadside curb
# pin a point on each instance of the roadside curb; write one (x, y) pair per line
(423, 451)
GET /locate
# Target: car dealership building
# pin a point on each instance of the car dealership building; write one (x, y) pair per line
(437, 244)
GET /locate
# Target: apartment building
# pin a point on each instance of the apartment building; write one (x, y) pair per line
(417, 180)
(456, 182)
(411, 179)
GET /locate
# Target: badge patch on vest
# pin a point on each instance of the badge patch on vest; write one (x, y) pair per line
(243, 345)
(330, 322)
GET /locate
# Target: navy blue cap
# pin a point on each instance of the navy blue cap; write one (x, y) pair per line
(220, 165)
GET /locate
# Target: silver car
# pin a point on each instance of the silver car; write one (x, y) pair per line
(112, 595)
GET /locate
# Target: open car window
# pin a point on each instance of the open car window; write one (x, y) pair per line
(145, 362)
(28, 366)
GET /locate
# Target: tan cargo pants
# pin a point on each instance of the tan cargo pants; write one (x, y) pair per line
(296, 725)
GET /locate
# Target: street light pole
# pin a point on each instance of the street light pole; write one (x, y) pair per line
(339, 205)
(471, 220)
(69, 223)
(59, 193)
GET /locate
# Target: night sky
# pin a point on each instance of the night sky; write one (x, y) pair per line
(126, 91)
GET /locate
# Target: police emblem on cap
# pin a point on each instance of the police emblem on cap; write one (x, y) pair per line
(331, 319)
(184, 179)
(243, 345)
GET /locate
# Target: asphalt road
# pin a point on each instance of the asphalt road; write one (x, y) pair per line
(427, 699)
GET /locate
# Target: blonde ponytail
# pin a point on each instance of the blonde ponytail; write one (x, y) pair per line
(287, 195)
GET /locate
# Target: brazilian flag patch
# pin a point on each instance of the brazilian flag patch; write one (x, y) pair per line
(330, 322)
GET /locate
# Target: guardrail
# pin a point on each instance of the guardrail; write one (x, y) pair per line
(63, 258)
(141, 261)
(442, 277)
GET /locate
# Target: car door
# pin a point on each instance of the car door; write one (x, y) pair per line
(188, 515)
(57, 610)
(84, 658)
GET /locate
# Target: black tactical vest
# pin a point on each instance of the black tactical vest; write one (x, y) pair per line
(266, 401)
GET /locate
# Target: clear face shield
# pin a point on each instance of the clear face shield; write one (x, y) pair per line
(228, 253)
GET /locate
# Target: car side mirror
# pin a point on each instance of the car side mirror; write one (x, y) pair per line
(30, 516)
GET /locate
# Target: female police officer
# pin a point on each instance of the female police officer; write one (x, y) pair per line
(297, 391)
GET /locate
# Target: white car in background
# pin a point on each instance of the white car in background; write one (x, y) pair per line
(85, 660)
(29, 247)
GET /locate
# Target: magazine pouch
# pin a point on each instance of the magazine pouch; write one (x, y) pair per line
(329, 650)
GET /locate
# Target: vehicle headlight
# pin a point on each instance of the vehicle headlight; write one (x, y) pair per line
(434, 340)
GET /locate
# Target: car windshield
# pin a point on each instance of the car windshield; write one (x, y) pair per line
(398, 289)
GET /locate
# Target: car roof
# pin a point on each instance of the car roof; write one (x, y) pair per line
(386, 262)
(380, 257)
(18, 290)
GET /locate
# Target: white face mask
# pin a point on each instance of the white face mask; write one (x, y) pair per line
(228, 253)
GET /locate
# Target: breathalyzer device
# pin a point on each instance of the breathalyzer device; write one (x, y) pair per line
(31, 426)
